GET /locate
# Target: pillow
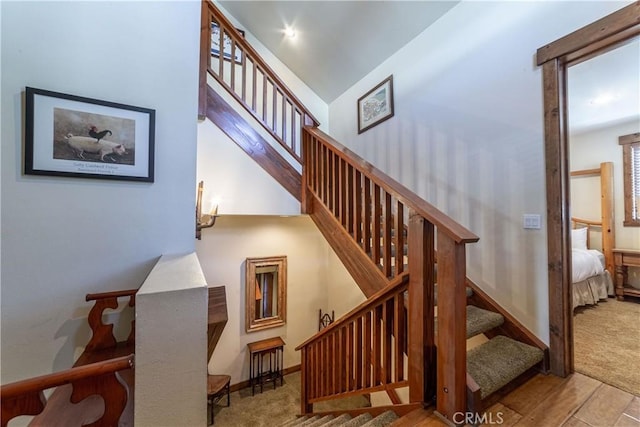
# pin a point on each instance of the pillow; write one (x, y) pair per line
(579, 238)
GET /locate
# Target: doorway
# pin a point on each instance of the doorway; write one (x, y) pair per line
(585, 43)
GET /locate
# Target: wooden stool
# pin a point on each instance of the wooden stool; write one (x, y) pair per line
(217, 386)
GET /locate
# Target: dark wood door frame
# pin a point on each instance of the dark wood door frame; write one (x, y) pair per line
(587, 42)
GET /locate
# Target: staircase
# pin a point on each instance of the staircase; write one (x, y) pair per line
(394, 339)
(344, 420)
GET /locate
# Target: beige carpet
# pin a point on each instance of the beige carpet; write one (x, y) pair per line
(273, 407)
(607, 343)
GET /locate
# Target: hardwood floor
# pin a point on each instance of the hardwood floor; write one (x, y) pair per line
(550, 401)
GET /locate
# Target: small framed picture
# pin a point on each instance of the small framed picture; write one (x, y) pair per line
(376, 106)
(215, 44)
(68, 135)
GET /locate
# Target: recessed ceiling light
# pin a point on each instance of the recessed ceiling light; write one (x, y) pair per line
(290, 33)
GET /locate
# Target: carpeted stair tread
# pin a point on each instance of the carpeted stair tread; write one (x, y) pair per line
(480, 321)
(358, 421)
(499, 361)
(382, 420)
(338, 421)
(295, 421)
(309, 421)
(320, 422)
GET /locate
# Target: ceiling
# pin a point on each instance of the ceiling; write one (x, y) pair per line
(605, 90)
(337, 42)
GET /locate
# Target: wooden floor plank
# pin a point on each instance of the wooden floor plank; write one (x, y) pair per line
(605, 406)
(631, 415)
(574, 422)
(413, 418)
(525, 398)
(499, 414)
(560, 405)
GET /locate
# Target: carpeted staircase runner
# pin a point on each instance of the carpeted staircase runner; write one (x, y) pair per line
(500, 360)
(344, 420)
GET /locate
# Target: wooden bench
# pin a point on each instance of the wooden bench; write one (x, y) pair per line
(217, 387)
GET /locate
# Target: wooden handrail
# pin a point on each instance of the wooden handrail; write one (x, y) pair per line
(457, 232)
(357, 354)
(27, 397)
(358, 310)
(274, 106)
(47, 381)
(113, 294)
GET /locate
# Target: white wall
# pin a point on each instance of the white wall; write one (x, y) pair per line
(222, 253)
(171, 344)
(63, 237)
(588, 150)
(467, 134)
(234, 181)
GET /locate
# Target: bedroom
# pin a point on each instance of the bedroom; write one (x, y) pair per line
(603, 105)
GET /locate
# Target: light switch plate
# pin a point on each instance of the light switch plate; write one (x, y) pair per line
(531, 221)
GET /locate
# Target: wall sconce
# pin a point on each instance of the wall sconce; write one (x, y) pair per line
(206, 220)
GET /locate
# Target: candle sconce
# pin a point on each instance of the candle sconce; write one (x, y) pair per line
(206, 220)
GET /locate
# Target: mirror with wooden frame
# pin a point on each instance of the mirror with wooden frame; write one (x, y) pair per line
(266, 291)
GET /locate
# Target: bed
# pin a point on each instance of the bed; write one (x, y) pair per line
(592, 268)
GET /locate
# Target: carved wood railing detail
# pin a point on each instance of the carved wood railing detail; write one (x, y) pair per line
(373, 211)
(249, 79)
(102, 337)
(27, 397)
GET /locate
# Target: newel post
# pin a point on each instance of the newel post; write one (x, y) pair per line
(421, 350)
(305, 200)
(452, 326)
(305, 406)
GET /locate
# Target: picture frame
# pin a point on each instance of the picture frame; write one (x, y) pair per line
(74, 136)
(215, 44)
(376, 106)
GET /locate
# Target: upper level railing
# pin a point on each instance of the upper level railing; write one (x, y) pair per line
(27, 397)
(235, 65)
(374, 211)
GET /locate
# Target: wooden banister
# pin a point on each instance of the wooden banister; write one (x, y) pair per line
(356, 354)
(251, 82)
(364, 306)
(456, 231)
(26, 397)
(395, 233)
(102, 334)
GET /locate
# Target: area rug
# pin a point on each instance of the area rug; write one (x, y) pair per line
(607, 343)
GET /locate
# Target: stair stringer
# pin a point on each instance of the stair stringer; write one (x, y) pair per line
(251, 142)
(364, 272)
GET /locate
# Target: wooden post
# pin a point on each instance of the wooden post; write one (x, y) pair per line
(452, 325)
(205, 48)
(421, 349)
(608, 216)
(305, 200)
(305, 406)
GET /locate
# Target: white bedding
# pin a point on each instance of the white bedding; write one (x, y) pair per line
(586, 263)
